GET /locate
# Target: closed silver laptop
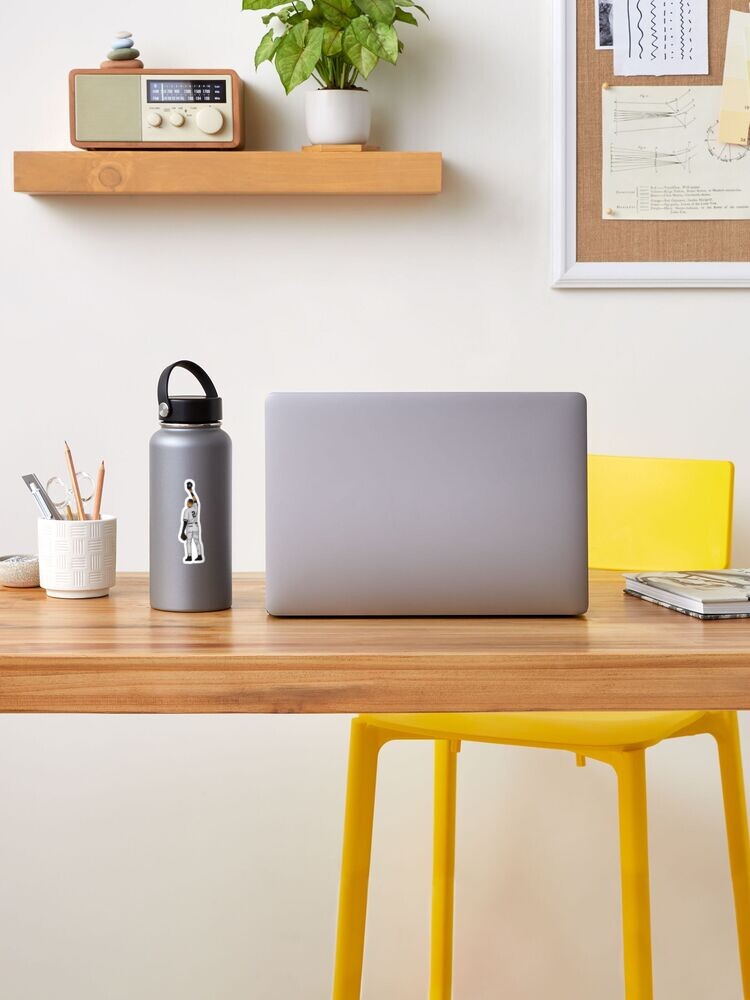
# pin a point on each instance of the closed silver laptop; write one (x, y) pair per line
(426, 503)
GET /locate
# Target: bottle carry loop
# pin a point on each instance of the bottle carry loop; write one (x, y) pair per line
(188, 409)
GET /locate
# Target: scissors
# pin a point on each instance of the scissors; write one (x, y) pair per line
(62, 495)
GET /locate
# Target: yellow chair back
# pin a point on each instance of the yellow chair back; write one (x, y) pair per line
(659, 513)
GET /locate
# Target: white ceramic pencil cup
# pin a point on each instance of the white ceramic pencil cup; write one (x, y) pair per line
(77, 558)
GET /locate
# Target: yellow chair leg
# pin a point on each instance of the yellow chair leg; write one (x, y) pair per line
(636, 908)
(735, 809)
(443, 870)
(364, 745)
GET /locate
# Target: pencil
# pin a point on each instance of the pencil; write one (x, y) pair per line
(96, 513)
(68, 513)
(74, 483)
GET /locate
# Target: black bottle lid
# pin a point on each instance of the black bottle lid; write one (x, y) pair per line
(188, 409)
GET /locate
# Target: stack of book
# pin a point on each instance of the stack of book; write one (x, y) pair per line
(707, 595)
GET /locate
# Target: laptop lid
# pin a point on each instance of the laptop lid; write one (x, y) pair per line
(426, 504)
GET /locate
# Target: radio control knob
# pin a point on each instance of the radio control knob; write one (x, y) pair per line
(154, 119)
(176, 119)
(210, 120)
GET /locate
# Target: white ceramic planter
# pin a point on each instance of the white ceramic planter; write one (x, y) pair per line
(334, 117)
(77, 558)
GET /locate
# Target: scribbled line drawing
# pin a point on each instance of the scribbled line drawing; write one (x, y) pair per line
(638, 26)
(669, 25)
(622, 158)
(682, 29)
(640, 29)
(630, 32)
(650, 116)
(725, 152)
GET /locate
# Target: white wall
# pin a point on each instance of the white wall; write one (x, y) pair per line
(198, 857)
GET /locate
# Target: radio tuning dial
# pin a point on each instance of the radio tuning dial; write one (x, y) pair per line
(176, 119)
(210, 120)
(154, 119)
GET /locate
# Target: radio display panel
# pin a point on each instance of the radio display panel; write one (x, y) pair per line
(186, 91)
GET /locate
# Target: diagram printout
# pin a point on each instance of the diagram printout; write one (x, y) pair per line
(660, 37)
(662, 157)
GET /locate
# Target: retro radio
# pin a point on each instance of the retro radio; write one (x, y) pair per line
(155, 109)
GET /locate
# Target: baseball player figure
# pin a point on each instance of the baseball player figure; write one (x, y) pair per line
(190, 530)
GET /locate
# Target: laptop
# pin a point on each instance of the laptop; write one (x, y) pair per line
(426, 503)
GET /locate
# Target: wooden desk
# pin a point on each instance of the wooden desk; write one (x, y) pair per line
(117, 655)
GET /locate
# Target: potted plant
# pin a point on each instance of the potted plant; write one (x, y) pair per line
(335, 42)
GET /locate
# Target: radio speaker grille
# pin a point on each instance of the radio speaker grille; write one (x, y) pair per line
(108, 108)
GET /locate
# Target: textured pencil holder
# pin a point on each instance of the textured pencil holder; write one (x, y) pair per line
(77, 558)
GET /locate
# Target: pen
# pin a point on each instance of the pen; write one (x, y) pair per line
(40, 503)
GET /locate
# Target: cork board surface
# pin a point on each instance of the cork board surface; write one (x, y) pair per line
(600, 239)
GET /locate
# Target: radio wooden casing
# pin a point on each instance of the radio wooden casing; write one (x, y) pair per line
(156, 109)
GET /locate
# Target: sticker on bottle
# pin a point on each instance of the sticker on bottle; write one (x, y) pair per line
(190, 526)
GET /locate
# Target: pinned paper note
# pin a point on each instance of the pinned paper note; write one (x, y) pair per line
(734, 117)
(662, 157)
(660, 37)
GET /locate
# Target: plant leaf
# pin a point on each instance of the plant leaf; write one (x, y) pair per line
(380, 39)
(261, 4)
(338, 12)
(282, 15)
(406, 17)
(297, 55)
(267, 48)
(333, 40)
(383, 11)
(410, 3)
(389, 40)
(361, 58)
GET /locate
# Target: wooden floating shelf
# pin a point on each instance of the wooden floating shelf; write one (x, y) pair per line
(122, 172)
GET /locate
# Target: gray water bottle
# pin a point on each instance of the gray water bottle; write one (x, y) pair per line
(190, 500)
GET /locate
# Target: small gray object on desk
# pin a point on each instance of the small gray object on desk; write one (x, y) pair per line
(19, 571)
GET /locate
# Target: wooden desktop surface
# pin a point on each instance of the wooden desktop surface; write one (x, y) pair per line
(115, 654)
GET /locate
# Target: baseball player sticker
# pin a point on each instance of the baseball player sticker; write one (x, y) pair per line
(190, 526)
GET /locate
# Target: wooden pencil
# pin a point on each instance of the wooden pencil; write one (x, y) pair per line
(74, 483)
(96, 513)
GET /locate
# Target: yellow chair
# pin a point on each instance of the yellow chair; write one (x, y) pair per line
(644, 513)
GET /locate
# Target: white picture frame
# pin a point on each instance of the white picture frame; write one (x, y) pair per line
(567, 270)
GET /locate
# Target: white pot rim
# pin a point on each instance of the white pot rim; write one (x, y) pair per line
(339, 90)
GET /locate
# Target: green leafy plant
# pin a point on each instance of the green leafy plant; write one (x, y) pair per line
(334, 41)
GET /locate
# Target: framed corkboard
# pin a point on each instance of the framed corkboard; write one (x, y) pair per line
(591, 251)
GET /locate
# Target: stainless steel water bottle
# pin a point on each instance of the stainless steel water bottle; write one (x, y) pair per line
(190, 500)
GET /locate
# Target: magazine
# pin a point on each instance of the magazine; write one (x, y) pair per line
(705, 594)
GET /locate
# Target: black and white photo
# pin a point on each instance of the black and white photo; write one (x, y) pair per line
(603, 14)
